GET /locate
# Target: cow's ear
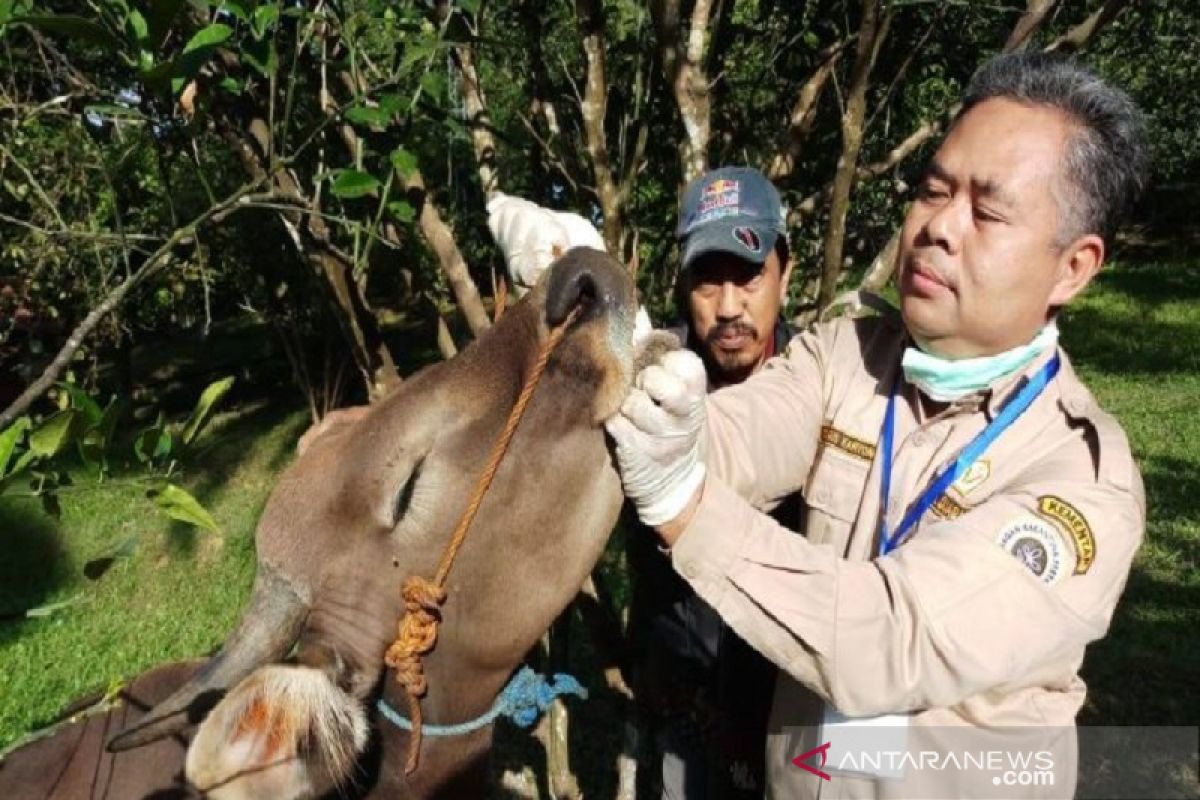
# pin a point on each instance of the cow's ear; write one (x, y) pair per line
(283, 732)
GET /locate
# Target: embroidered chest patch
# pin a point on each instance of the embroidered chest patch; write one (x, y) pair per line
(1036, 544)
(839, 440)
(973, 477)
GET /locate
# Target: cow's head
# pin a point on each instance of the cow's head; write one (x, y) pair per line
(368, 504)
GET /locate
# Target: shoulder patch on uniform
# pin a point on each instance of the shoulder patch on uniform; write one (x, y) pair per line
(1036, 544)
(1074, 525)
(973, 478)
(843, 441)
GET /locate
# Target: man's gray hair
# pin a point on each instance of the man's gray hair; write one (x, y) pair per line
(1107, 160)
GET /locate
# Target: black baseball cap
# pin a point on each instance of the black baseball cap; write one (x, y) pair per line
(733, 210)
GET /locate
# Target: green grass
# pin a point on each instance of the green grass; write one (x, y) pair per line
(1135, 338)
(175, 596)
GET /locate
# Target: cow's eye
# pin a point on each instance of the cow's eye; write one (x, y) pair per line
(405, 495)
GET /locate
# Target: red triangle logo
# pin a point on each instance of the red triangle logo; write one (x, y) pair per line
(800, 760)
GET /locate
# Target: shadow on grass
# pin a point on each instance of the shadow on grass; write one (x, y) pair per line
(224, 452)
(1142, 672)
(1124, 340)
(34, 564)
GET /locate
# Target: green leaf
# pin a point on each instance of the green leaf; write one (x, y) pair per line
(209, 36)
(434, 84)
(365, 115)
(391, 104)
(262, 56)
(95, 441)
(137, 26)
(75, 27)
(402, 210)
(237, 8)
(152, 443)
(181, 506)
(351, 183)
(82, 402)
(54, 434)
(9, 438)
(264, 17)
(404, 162)
(52, 608)
(470, 6)
(202, 413)
(114, 111)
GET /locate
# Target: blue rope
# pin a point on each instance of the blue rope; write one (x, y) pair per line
(526, 695)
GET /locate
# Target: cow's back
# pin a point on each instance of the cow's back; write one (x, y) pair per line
(72, 764)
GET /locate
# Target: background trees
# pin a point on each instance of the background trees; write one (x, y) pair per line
(318, 170)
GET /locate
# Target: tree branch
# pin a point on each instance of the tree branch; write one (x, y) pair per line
(477, 119)
(114, 298)
(804, 112)
(450, 258)
(1073, 40)
(1076, 38)
(1030, 21)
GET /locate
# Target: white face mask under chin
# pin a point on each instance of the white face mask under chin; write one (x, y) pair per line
(946, 380)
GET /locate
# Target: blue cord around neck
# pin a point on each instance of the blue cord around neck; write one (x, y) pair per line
(523, 699)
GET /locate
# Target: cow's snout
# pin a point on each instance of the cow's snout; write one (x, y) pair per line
(590, 279)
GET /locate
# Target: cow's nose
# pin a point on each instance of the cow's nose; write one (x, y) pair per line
(588, 278)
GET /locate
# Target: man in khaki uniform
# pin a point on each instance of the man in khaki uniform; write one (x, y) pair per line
(951, 615)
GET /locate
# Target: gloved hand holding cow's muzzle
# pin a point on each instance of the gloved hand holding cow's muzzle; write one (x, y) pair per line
(659, 435)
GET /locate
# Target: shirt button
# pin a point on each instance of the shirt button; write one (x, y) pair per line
(1077, 405)
(687, 569)
(822, 495)
(919, 439)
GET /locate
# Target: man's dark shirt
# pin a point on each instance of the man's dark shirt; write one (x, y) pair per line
(690, 665)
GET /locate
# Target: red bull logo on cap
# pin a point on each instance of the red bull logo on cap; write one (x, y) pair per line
(719, 199)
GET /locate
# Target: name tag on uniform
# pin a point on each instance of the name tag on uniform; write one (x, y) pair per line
(869, 747)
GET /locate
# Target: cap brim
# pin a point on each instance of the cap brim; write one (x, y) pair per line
(734, 237)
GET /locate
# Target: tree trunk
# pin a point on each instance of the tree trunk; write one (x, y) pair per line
(594, 108)
(683, 67)
(871, 33)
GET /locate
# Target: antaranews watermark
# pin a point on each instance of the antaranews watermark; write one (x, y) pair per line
(1104, 763)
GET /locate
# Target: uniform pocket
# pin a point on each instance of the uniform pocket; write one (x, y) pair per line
(834, 495)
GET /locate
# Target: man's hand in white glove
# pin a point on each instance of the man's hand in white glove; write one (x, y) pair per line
(658, 434)
(531, 237)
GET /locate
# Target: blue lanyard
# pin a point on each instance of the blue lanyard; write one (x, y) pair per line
(1008, 414)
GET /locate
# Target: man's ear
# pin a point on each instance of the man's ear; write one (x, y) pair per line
(1078, 264)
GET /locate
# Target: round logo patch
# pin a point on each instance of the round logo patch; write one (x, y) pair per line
(747, 238)
(1038, 546)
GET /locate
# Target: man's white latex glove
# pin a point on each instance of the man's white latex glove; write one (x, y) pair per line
(531, 237)
(658, 434)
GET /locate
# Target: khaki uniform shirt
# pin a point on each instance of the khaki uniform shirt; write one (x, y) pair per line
(978, 619)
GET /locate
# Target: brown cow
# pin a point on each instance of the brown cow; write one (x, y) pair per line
(364, 506)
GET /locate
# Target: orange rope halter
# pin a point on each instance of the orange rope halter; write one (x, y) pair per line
(423, 598)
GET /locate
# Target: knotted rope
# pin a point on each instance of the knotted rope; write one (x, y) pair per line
(422, 597)
(525, 698)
